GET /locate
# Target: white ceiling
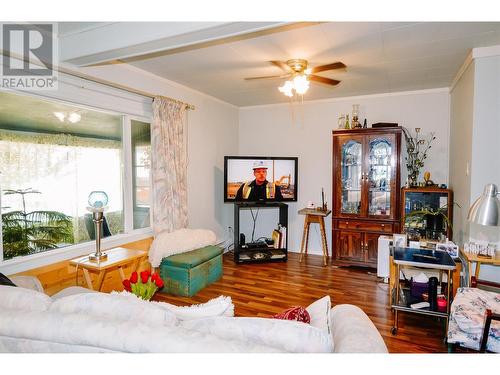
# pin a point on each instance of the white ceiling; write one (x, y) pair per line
(380, 58)
(70, 28)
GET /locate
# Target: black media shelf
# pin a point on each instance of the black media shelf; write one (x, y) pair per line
(263, 254)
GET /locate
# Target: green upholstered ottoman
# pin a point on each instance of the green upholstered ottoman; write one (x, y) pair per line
(187, 273)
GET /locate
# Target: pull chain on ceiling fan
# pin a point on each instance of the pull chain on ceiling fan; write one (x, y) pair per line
(301, 75)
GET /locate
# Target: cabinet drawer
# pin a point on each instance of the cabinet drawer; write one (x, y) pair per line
(365, 226)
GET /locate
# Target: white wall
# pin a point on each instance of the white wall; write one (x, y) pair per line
(461, 120)
(307, 133)
(474, 141)
(485, 146)
(212, 133)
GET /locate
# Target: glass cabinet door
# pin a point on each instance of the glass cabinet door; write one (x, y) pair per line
(380, 175)
(351, 164)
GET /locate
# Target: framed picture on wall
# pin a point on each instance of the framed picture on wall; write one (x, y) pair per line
(399, 240)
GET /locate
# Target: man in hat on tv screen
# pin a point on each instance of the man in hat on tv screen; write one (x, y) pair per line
(259, 189)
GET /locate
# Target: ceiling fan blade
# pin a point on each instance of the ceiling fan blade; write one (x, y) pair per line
(327, 81)
(267, 77)
(282, 65)
(322, 68)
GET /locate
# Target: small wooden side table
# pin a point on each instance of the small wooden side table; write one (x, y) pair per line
(474, 258)
(314, 216)
(118, 258)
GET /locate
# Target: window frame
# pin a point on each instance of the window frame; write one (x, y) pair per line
(22, 263)
(133, 175)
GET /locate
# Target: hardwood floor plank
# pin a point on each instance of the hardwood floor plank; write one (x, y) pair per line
(263, 290)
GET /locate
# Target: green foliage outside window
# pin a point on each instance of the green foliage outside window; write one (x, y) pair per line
(32, 232)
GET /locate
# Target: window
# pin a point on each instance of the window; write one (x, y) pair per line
(141, 169)
(52, 155)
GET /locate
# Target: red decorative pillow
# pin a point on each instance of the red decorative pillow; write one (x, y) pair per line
(297, 313)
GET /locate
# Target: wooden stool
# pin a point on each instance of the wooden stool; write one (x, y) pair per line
(314, 216)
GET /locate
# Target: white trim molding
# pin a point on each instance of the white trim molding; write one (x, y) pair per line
(486, 51)
(475, 53)
(461, 70)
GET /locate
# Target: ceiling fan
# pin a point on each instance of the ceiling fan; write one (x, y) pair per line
(298, 70)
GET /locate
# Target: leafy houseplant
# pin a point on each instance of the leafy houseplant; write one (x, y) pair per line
(31, 232)
(145, 286)
(416, 149)
(438, 215)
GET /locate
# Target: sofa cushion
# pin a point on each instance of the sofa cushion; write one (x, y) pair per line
(193, 258)
(23, 299)
(319, 311)
(85, 331)
(284, 335)
(114, 306)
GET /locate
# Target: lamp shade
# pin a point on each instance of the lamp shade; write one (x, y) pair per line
(486, 209)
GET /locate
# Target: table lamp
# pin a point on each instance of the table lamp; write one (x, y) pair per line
(486, 209)
(97, 204)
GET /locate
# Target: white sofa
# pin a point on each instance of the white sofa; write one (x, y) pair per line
(77, 321)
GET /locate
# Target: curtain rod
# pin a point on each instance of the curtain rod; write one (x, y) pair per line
(87, 77)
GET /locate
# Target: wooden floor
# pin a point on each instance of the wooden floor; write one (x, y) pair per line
(266, 289)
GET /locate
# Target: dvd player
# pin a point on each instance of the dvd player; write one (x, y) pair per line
(256, 244)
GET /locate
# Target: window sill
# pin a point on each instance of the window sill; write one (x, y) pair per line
(21, 264)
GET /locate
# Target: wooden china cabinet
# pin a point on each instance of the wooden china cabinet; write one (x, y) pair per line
(366, 192)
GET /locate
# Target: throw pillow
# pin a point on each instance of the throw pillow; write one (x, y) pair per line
(319, 311)
(4, 280)
(23, 299)
(220, 306)
(115, 306)
(297, 313)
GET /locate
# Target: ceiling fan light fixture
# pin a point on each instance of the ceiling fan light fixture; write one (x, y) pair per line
(287, 88)
(301, 75)
(74, 117)
(60, 116)
(301, 84)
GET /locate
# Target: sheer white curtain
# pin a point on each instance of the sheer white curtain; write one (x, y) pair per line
(169, 165)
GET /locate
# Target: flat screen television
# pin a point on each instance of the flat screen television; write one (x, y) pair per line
(260, 179)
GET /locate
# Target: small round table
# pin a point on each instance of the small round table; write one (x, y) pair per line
(314, 216)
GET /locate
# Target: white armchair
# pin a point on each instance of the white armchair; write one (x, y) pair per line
(32, 282)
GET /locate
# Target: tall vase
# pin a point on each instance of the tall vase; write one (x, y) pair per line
(413, 176)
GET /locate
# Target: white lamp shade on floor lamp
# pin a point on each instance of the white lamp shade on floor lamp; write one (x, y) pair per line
(486, 209)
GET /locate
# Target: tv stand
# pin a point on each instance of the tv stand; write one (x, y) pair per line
(259, 254)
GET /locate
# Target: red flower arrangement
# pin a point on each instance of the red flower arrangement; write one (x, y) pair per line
(146, 286)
